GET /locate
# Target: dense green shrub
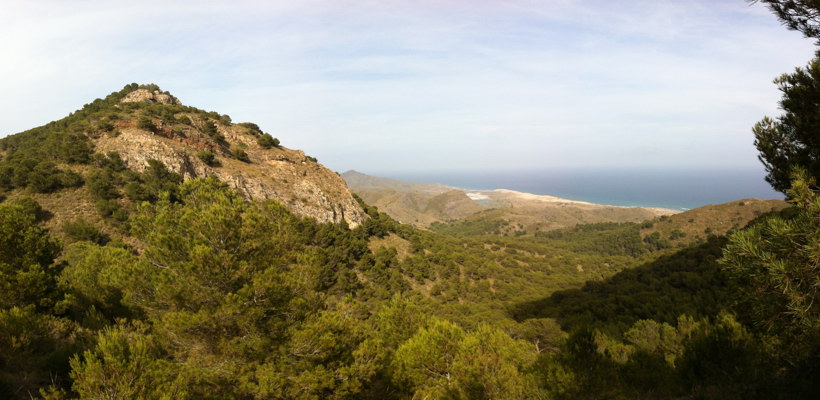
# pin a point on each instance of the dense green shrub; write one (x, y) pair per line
(69, 178)
(240, 154)
(209, 158)
(111, 210)
(137, 192)
(106, 126)
(80, 230)
(27, 276)
(252, 128)
(31, 207)
(147, 124)
(155, 181)
(101, 184)
(111, 161)
(44, 177)
(209, 128)
(267, 141)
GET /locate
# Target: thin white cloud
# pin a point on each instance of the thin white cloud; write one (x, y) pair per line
(376, 84)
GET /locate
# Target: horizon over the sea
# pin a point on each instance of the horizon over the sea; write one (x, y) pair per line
(673, 188)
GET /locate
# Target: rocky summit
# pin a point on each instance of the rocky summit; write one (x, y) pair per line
(147, 96)
(279, 173)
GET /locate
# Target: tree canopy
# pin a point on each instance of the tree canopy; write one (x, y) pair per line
(792, 140)
(800, 15)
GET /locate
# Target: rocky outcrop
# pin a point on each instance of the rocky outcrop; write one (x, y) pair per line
(288, 176)
(145, 96)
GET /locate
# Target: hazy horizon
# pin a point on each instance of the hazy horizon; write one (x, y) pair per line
(425, 85)
(672, 188)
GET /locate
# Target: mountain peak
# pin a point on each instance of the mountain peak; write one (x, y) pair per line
(142, 124)
(143, 95)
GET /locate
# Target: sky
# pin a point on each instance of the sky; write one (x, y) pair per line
(424, 85)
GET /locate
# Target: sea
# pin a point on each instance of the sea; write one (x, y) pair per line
(673, 188)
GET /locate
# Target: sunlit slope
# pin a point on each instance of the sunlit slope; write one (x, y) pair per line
(427, 205)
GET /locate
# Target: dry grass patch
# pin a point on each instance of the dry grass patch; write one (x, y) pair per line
(402, 246)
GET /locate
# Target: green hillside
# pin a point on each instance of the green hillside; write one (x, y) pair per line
(126, 283)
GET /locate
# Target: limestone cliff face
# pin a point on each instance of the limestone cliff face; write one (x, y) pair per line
(288, 176)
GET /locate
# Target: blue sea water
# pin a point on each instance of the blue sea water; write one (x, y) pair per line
(678, 189)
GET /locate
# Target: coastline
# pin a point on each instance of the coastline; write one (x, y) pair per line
(675, 189)
(506, 195)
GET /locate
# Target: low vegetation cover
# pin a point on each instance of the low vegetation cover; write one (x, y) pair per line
(201, 294)
(185, 289)
(238, 299)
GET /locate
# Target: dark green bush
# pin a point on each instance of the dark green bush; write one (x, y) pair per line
(32, 207)
(240, 154)
(209, 128)
(44, 178)
(253, 128)
(70, 179)
(155, 180)
(147, 124)
(110, 161)
(209, 158)
(267, 141)
(105, 126)
(6, 172)
(106, 208)
(80, 230)
(101, 185)
(136, 191)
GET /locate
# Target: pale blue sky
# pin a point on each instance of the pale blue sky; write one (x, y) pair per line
(383, 86)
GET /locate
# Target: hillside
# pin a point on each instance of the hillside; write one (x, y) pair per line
(88, 164)
(698, 224)
(153, 250)
(362, 181)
